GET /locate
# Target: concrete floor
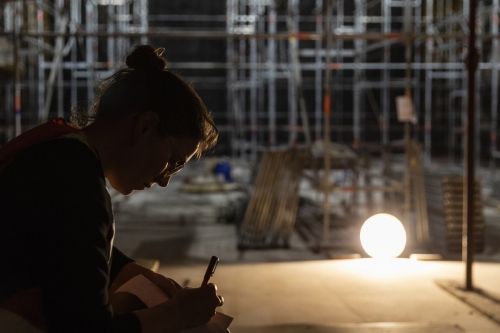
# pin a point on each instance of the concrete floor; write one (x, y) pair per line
(294, 290)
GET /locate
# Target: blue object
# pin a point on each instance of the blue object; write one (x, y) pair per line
(223, 168)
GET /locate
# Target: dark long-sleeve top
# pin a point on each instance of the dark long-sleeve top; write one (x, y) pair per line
(55, 218)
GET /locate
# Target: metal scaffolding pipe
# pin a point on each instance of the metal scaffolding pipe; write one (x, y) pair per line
(326, 118)
(494, 80)
(469, 174)
(153, 33)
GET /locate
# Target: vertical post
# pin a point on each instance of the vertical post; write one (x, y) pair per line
(144, 10)
(110, 27)
(356, 128)
(89, 27)
(60, 82)
(41, 61)
(31, 9)
(318, 66)
(339, 75)
(294, 74)
(327, 110)
(271, 60)
(295, 82)
(242, 88)
(494, 82)
(254, 79)
(126, 26)
(386, 28)
(465, 82)
(451, 83)
(408, 146)
(469, 187)
(261, 47)
(231, 73)
(242, 92)
(17, 72)
(428, 83)
(75, 11)
(417, 72)
(477, 98)
(119, 13)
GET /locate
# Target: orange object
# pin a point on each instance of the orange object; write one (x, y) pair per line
(327, 105)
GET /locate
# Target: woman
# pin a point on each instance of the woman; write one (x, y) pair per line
(56, 245)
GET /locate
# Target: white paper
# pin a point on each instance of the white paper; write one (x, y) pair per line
(148, 292)
(405, 109)
(151, 295)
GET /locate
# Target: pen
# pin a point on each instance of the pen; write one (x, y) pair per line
(210, 270)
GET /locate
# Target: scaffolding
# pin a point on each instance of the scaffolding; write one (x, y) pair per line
(275, 68)
(59, 70)
(368, 72)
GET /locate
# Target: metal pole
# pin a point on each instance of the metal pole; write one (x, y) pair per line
(60, 83)
(327, 110)
(318, 62)
(469, 160)
(428, 84)
(240, 110)
(339, 76)
(478, 80)
(386, 13)
(17, 71)
(41, 61)
(57, 59)
(271, 59)
(494, 82)
(356, 128)
(144, 10)
(292, 90)
(254, 79)
(74, 10)
(408, 147)
(417, 74)
(296, 78)
(242, 94)
(90, 13)
(231, 74)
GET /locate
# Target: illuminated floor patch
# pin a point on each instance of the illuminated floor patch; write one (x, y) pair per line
(353, 328)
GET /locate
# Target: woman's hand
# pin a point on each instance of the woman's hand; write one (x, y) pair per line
(188, 308)
(198, 304)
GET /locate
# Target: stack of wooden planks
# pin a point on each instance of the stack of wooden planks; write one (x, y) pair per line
(270, 216)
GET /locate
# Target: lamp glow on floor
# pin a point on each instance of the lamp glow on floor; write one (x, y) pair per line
(383, 236)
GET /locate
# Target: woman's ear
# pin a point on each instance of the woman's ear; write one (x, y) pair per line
(147, 123)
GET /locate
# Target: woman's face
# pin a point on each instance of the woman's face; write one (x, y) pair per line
(151, 157)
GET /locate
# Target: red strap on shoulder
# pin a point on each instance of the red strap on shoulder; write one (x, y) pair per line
(49, 130)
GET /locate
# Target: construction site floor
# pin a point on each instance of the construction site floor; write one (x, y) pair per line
(295, 290)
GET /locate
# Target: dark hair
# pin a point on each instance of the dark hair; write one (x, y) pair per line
(147, 85)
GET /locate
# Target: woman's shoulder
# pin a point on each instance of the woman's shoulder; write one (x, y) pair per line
(68, 151)
(64, 147)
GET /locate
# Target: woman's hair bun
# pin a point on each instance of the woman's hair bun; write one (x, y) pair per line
(146, 58)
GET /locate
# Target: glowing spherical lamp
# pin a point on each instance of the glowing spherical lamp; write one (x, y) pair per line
(383, 236)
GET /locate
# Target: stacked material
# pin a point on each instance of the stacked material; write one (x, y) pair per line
(445, 207)
(270, 216)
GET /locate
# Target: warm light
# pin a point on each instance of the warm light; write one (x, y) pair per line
(383, 236)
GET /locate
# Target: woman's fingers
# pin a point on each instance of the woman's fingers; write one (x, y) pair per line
(212, 290)
(169, 286)
(221, 300)
(177, 286)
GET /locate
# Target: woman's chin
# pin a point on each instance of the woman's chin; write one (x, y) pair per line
(128, 192)
(123, 190)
